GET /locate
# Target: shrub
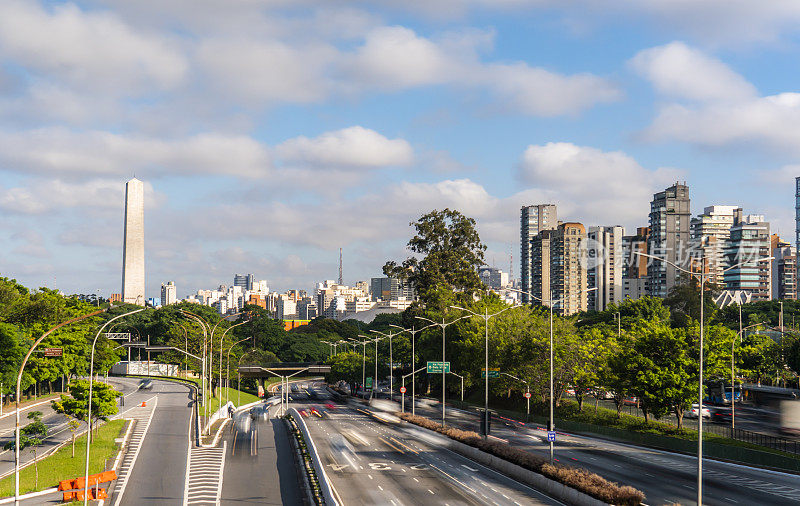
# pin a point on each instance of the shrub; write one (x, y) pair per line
(578, 478)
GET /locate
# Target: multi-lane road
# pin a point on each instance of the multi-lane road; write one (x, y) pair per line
(665, 478)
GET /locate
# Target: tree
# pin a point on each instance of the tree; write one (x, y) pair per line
(347, 367)
(32, 435)
(451, 252)
(73, 425)
(684, 301)
(104, 402)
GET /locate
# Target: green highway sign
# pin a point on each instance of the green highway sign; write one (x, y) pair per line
(492, 373)
(436, 367)
(369, 383)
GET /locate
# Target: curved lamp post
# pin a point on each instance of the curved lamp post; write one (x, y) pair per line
(221, 339)
(198, 319)
(228, 368)
(391, 360)
(443, 325)
(551, 303)
(702, 277)
(486, 316)
(89, 407)
(733, 379)
(19, 392)
(413, 333)
(375, 340)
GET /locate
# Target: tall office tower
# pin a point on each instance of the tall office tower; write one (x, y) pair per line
(169, 294)
(558, 267)
(245, 281)
(784, 269)
(133, 244)
(605, 259)
(749, 242)
(669, 238)
(796, 219)
(710, 234)
(634, 267)
(341, 278)
(533, 219)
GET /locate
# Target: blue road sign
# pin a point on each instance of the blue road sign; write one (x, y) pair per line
(551, 435)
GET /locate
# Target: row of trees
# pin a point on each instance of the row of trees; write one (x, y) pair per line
(652, 352)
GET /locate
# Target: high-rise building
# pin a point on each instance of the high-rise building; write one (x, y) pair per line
(797, 217)
(634, 266)
(169, 293)
(558, 267)
(784, 269)
(749, 242)
(533, 219)
(710, 234)
(605, 260)
(245, 281)
(669, 238)
(493, 278)
(386, 289)
(133, 244)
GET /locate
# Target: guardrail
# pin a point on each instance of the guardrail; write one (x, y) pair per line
(327, 490)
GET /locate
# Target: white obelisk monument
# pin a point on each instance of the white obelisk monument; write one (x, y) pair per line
(133, 248)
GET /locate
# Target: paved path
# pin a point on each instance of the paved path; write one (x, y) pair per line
(204, 483)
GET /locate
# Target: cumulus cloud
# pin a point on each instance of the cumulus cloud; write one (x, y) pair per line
(62, 153)
(593, 186)
(353, 147)
(713, 105)
(680, 71)
(94, 50)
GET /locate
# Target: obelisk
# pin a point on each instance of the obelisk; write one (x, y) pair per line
(133, 247)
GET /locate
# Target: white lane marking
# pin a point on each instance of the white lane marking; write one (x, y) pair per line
(470, 468)
(136, 441)
(431, 491)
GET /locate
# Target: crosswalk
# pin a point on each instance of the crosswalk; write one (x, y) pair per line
(204, 480)
(142, 417)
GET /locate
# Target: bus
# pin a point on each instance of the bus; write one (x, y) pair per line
(719, 392)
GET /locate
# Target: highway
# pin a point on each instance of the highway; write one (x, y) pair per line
(665, 478)
(374, 463)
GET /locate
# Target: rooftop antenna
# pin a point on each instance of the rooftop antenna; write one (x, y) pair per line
(341, 280)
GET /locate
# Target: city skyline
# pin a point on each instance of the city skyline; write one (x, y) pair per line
(379, 117)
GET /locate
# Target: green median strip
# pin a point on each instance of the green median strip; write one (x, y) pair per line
(63, 466)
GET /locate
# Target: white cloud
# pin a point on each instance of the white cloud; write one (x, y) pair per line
(94, 50)
(353, 147)
(41, 196)
(590, 185)
(61, 152)
(680, 71)
(263, 71)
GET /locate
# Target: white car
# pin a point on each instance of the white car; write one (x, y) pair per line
(692, 413)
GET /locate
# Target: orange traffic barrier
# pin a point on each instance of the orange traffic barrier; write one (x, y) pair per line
(143, 404)
(94, 479)
(99, 493)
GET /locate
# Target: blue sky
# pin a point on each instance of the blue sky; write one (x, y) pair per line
(270, 133)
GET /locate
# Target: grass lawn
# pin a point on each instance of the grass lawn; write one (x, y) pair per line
(62, 466)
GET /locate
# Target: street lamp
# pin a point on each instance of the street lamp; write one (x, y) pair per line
(221, 339)
(443, 325)
(363, 362)
(486, 316)
(391, 360)
(413, 333)
(551, 303)
(702, 277)
(19, 393)
(733, 380)
(527, 393)
(375, 378)
(89, 407)
(228, 368)
(203, 324)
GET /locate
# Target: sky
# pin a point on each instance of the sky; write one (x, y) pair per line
(271, 133)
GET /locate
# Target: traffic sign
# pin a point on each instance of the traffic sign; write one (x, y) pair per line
(436, 367)
(551, 435)
(368, 383)
(527, 395)
(402, 390)
(492, 373)
(53, 352)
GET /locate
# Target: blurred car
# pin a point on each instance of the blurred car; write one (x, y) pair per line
(146, 384)
(631, 401)
(694, 412)
(721, 415)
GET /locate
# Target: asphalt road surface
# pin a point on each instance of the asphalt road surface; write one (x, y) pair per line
(260, 465)
(374, 463)
(665, 478)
